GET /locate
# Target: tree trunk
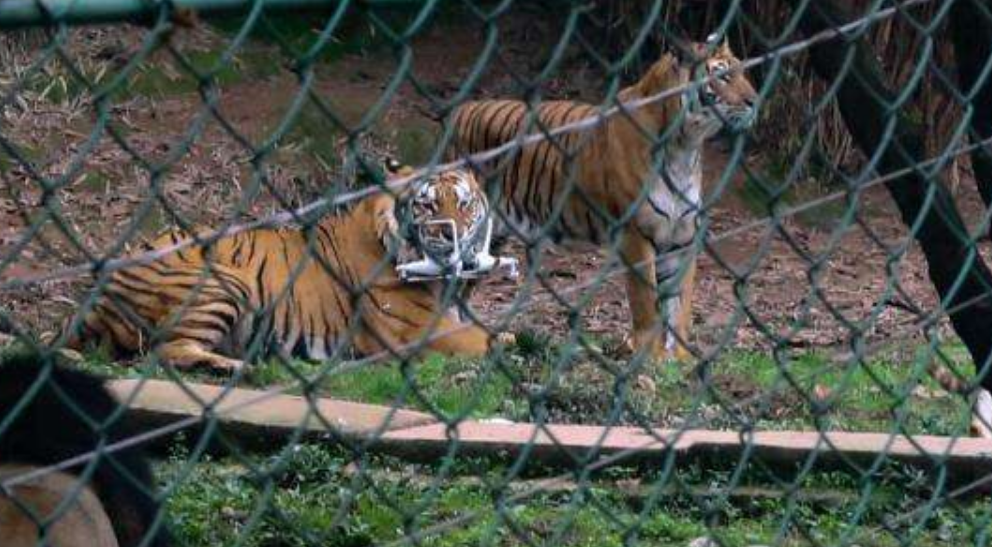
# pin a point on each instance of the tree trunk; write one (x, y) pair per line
(862, 98)
(971, 27)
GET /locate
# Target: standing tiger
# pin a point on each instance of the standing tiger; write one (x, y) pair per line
(307, 293)
(586, 187)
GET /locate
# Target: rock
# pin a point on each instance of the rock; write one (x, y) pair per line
(646, 384)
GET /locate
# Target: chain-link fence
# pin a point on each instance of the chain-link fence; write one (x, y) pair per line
(498, 273)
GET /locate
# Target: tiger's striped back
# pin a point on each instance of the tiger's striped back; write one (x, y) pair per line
(539, 186)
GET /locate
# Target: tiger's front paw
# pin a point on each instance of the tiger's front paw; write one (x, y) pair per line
(650, 346)
(503, 339)
(981, 415)
(681, 353)
(646, 346)
(228, 366)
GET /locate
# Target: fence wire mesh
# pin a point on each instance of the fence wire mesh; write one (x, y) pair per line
(600, 273)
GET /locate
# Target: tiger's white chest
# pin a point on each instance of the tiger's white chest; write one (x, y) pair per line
(669, 216)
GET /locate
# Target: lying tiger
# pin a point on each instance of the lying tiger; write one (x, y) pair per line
(207, 305)
(611, 185)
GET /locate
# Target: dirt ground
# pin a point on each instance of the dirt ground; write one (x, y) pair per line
(170, 152)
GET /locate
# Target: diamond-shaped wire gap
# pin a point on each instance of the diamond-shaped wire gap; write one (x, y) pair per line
(447, 464)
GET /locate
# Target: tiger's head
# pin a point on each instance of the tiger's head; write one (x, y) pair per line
(444, 218)
(447, 210)
(726, 100)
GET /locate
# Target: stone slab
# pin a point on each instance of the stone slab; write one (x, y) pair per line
(158, 402)
(418, 436)
(967, 457)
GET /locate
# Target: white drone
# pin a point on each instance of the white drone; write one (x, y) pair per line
(447, 252)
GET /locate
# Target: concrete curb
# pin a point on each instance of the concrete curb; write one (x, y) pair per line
(155, 403)
(966, 458)
(418, 436)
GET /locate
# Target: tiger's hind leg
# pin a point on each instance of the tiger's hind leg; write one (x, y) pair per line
(208, 321)
(678, 308)
(423, 330)
(638, 257)
(109, 326)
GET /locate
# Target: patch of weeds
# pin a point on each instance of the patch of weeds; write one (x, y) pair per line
(533, 344)
(877, 394)
(318, 495)
(297, 33)
(279, 372)
(156, 80)
(57, 85)
(453, 387)
(167, 77)
(27, 153)
(538, 379)
(99, 361)
(154, 222)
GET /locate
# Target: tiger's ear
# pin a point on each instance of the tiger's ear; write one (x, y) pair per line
(398, 170)
(725, 48)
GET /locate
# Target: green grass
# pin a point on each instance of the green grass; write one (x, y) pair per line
(538, 379)
(313, 495)
(743, 387)
(153, 79)
(452, 387)
(314, 136)
(329, 495)
(415, 142)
